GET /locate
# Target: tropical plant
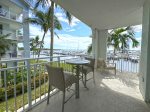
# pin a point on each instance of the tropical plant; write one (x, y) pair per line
(89, 49)
(34, 44)
(5, 44)
(46, 3)
(120, 39)
(43, 20)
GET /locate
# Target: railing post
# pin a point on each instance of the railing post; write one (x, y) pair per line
(58, 58)
(29, 84)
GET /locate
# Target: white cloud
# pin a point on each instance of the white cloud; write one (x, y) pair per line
(61, 17)
(64, 42)
(68, 42)
(70, 30)
(137, 28)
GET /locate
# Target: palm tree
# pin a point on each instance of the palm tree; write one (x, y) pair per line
(5, 44)
(119, 39)
(34, 43)
(43, 20)
(89, 49)
(51, 7)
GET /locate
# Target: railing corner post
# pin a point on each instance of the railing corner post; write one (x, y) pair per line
(58, 58)
(29, 84)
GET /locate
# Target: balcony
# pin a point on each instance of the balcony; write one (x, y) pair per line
(20, 38)
(26, 85)
(12, 34)
(4, 13)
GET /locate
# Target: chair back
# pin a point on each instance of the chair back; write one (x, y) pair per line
(101, 63)
(92, 61)
(56, 77)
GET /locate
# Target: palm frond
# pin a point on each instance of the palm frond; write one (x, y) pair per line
(56, 35)
(89, 48)
(43, 3)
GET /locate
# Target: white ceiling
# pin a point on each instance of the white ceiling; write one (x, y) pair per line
(105, 14)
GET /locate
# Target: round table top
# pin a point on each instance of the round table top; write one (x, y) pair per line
(77, 61)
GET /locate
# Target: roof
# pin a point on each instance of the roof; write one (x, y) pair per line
(105, 14)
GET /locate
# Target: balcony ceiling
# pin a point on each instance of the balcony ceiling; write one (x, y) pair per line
(105, 14)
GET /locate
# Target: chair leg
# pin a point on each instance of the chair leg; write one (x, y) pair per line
(63, 102)
(82, 78)
(94, 78)
(49, 88)
(76, 90)
(85, 79)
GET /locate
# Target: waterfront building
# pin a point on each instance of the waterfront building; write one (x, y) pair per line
(12, 13)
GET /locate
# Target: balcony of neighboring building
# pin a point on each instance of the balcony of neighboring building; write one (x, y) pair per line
(12, 35)
(19, 38)
(11, 14)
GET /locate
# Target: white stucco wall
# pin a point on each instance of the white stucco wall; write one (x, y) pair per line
(145, 54)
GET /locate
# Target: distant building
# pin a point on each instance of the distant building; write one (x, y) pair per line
(12, 13)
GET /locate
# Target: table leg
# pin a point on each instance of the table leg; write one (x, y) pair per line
(77, 84)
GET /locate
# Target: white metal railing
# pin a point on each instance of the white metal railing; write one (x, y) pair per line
(10, 15)
(125, 62)
(25, 81)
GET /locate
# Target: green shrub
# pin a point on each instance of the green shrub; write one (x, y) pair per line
(10, 88)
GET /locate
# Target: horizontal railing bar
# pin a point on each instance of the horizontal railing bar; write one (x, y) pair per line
(24, 59)
(4, 69)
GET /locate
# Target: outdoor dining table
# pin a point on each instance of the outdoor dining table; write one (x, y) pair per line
(77, 63)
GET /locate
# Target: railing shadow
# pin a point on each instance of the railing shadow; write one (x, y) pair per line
(128, 79)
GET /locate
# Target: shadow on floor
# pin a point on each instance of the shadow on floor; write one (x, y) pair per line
(128, 79)
(99, 98)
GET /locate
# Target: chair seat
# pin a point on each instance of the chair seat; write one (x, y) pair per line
(110, 67)
(86, 69)
(69, 79)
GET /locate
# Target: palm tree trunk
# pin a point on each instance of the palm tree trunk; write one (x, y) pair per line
(41, 46)
(0, 74)
(52, 30)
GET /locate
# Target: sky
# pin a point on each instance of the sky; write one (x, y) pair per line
(73, 36)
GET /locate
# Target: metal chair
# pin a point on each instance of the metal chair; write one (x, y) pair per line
(103, 65)
(60, 80)
(86, 69)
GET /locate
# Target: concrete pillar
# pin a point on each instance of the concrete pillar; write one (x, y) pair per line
(26, 36)
(93, 43)
(99, 43)
(145, 53)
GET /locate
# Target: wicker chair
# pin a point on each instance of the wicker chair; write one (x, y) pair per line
(59, 80)
(103, 65)
(86, 69)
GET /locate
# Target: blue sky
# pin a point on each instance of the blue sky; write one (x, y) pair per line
(73, 36)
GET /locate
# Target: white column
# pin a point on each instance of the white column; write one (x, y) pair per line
(100, 43)
(93, 43)
(26, 36)
(145, 53)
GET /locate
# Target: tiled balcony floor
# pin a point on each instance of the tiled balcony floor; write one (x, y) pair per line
(110, 94)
